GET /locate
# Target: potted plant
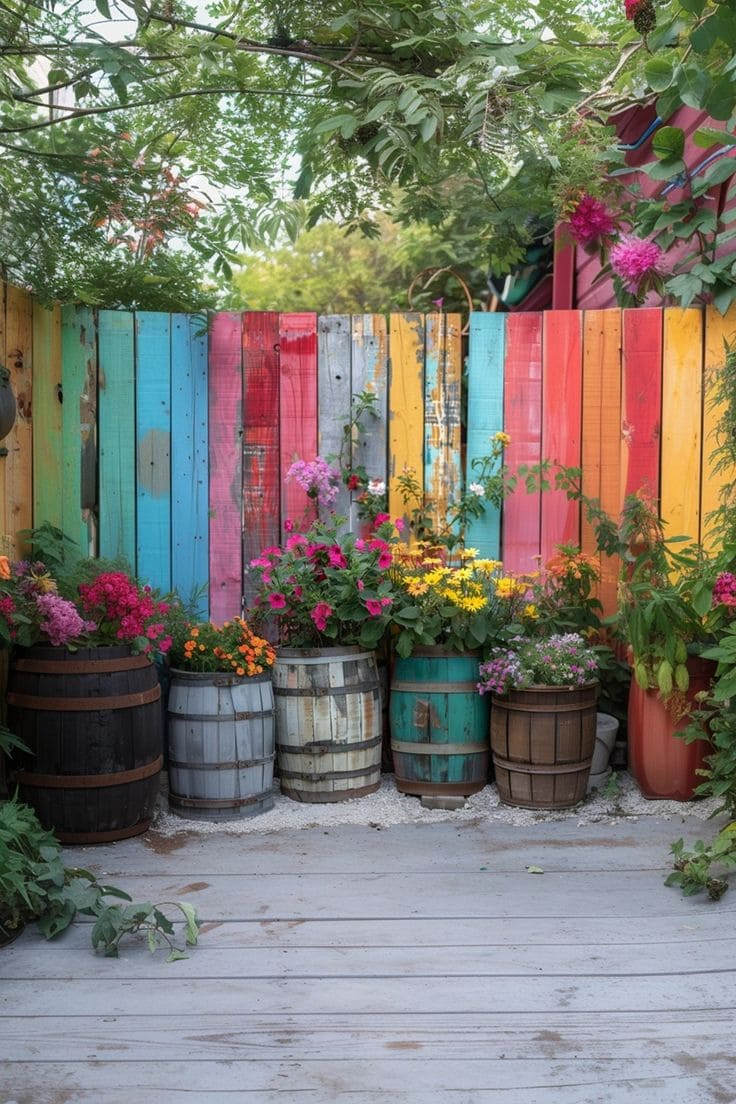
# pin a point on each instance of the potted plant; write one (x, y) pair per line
(543, 719)
(84, 696)
(220, 731)
(445, 611)
(329, 597)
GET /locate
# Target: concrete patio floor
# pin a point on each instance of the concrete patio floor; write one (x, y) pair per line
(414, 964)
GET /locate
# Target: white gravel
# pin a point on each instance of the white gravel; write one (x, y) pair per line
(620, 800)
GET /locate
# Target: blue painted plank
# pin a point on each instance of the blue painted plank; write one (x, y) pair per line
(189, 463)
(153, 448)
(116, 421)
(485, 417)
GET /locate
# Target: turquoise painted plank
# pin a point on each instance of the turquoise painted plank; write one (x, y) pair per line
(153, 448)
(116, 417)
(485, 418)
(189, 463)
(79, 426)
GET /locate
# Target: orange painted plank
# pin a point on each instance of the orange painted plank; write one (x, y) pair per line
(522, 420)
(17, 503)
(641, 400)
(682, 396)
(561, 422)
(406, 406)
(718, 328)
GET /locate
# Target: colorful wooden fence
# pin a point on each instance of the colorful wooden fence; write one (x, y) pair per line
(165, 439)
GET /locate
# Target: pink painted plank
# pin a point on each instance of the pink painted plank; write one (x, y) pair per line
(562, 395)
(260, 436)
(297, 407)
(563, 271)
(522, 420)
(226, 466)
(641, 400)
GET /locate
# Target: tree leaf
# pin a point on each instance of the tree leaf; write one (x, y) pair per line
(668, 143)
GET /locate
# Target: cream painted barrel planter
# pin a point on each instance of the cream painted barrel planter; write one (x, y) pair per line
(328, 723)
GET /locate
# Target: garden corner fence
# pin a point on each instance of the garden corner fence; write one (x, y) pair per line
(165, 438)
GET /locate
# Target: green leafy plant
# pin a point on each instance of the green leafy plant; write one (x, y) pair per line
(694, 871)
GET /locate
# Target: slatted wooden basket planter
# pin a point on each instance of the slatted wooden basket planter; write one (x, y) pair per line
(328, 723)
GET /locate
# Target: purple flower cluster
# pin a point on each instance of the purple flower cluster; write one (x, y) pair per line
(500, 672)
(561, 660)
(317, 478)
(634, 259)
(60, 619)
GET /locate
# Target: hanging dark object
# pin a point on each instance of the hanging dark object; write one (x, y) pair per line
(7, 403)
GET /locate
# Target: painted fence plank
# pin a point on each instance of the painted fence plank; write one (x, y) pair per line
(522, 421)
(116, 426)
(334, 395)
(487, 340)
(7, 544)
(261, 493)
(682, 395)
(406, 408)
(189, 461)
(225, 403)
(601, 437)
(442, 418)
(17, 502)
(561, 423)
(718, 329)
(297, 407)
(369, 341)
(153, 448)
(79, 426)
(47, 407)
(641, 400)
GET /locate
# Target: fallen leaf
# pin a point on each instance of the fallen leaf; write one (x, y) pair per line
(534, 870)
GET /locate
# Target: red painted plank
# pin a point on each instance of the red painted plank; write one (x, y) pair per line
(226, 466)
(260, 436)
(522, 420)
(298, 407)
(641, 400)
(562, 379)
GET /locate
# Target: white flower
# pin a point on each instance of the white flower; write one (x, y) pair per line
(376, 487)
(476, 489)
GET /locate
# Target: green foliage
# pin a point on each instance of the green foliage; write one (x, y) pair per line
(693, 871)
(36, 885)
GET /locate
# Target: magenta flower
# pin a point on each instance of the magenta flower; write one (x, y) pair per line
(724, 591)
(374, 607)
(336, 557)
(276, 600)
(295, 540)
(633, 259)
(591, 221)
(319, 615)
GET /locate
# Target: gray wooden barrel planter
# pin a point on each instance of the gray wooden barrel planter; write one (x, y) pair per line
(221, 745)
(328, 723)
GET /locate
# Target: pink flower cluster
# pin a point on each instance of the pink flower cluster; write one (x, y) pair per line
(633, 259)
(319, 615)
(591, 221)
(125, 610)
(60, 619)
(724, 591)
(317, 478)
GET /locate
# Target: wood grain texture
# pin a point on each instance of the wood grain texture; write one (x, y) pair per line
(718, 329)
(17, 503)
(406, 407)
(443, 482)
(297, 408)
(601, 434)
(79, 426)
(334, 394)
(641, 400)
(261, 492)
(116, 426)
(682, 396)
(486, 353)
(225, 405)
(522, 420)
(189, 460)
(47, 407)
(369, 353)
(153, 448)
(561, 423)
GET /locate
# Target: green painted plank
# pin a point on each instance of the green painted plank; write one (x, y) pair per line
(47, 411)
(485, 418)
(79, 426)
(116, 417)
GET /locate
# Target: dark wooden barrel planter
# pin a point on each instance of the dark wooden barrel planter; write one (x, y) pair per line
(439, 724)
(328, 723)
(92, 718)
(220, 738)
(542, 740)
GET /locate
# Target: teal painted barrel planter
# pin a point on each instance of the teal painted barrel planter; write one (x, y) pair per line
(439, 724)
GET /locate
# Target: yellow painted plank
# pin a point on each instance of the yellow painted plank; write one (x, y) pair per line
(682, 396)
(47, 408)
(406, 406)
(17, 503)
(718, 329)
